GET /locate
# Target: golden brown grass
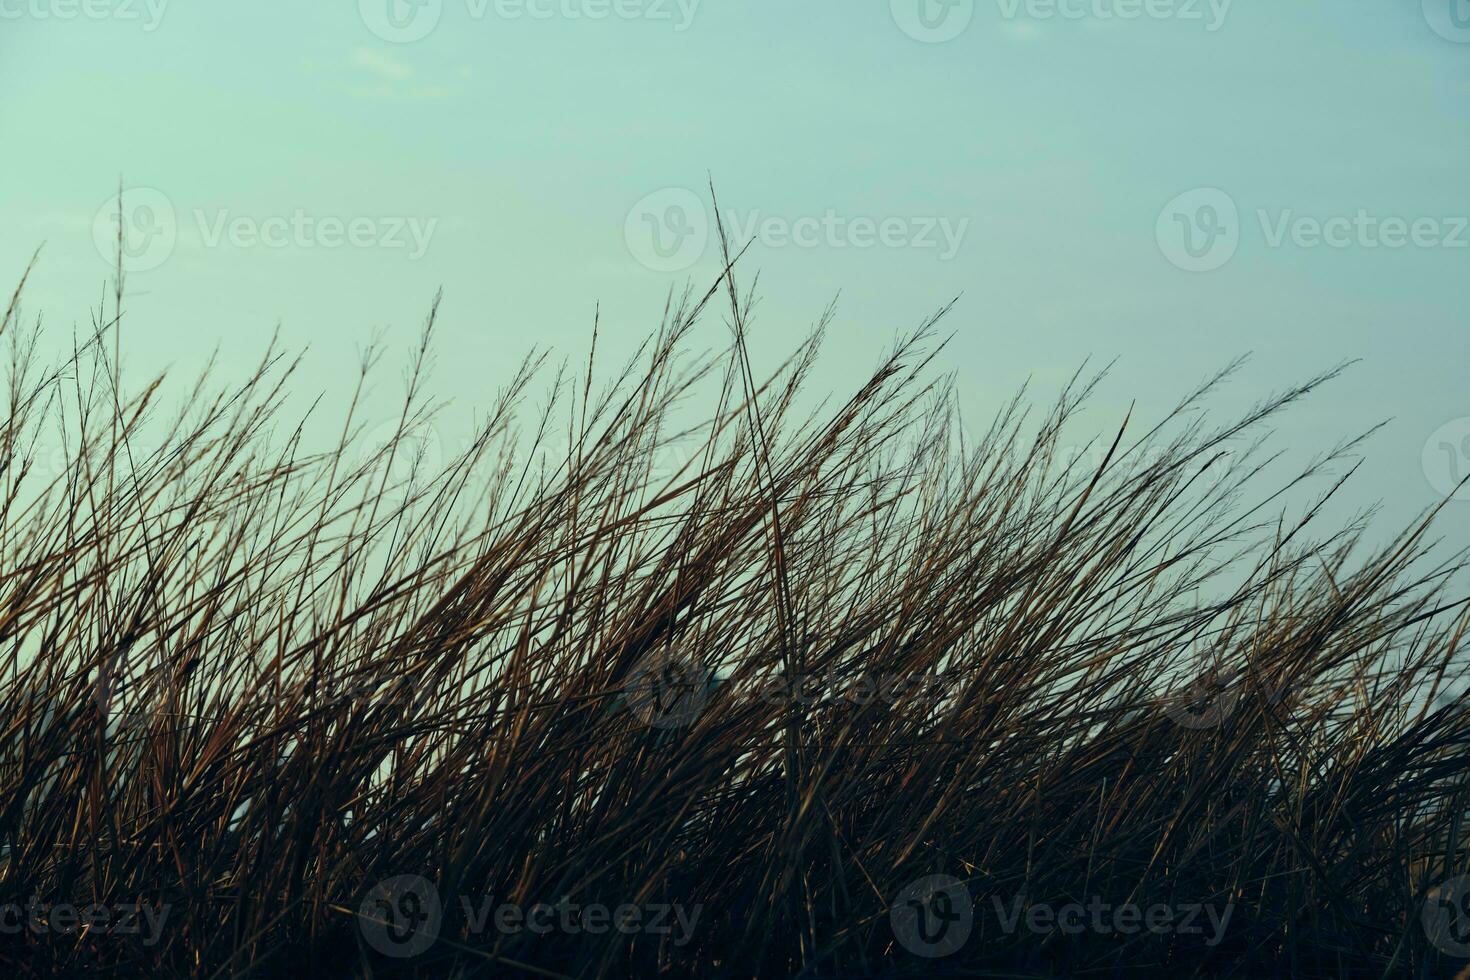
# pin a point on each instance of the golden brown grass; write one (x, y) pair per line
(247, 682)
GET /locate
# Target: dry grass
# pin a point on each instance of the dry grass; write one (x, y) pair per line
(244, 683)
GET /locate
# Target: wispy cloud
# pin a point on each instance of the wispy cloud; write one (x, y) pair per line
(380, 64)
(391, 79)
(1023, 31)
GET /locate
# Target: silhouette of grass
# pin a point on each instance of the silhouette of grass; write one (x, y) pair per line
(818, 660)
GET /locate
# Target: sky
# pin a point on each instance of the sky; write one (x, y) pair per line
(1167, 183)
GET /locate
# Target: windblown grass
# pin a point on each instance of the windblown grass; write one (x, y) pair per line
(248, 682)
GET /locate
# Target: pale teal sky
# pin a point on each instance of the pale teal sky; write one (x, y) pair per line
(518, 138)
